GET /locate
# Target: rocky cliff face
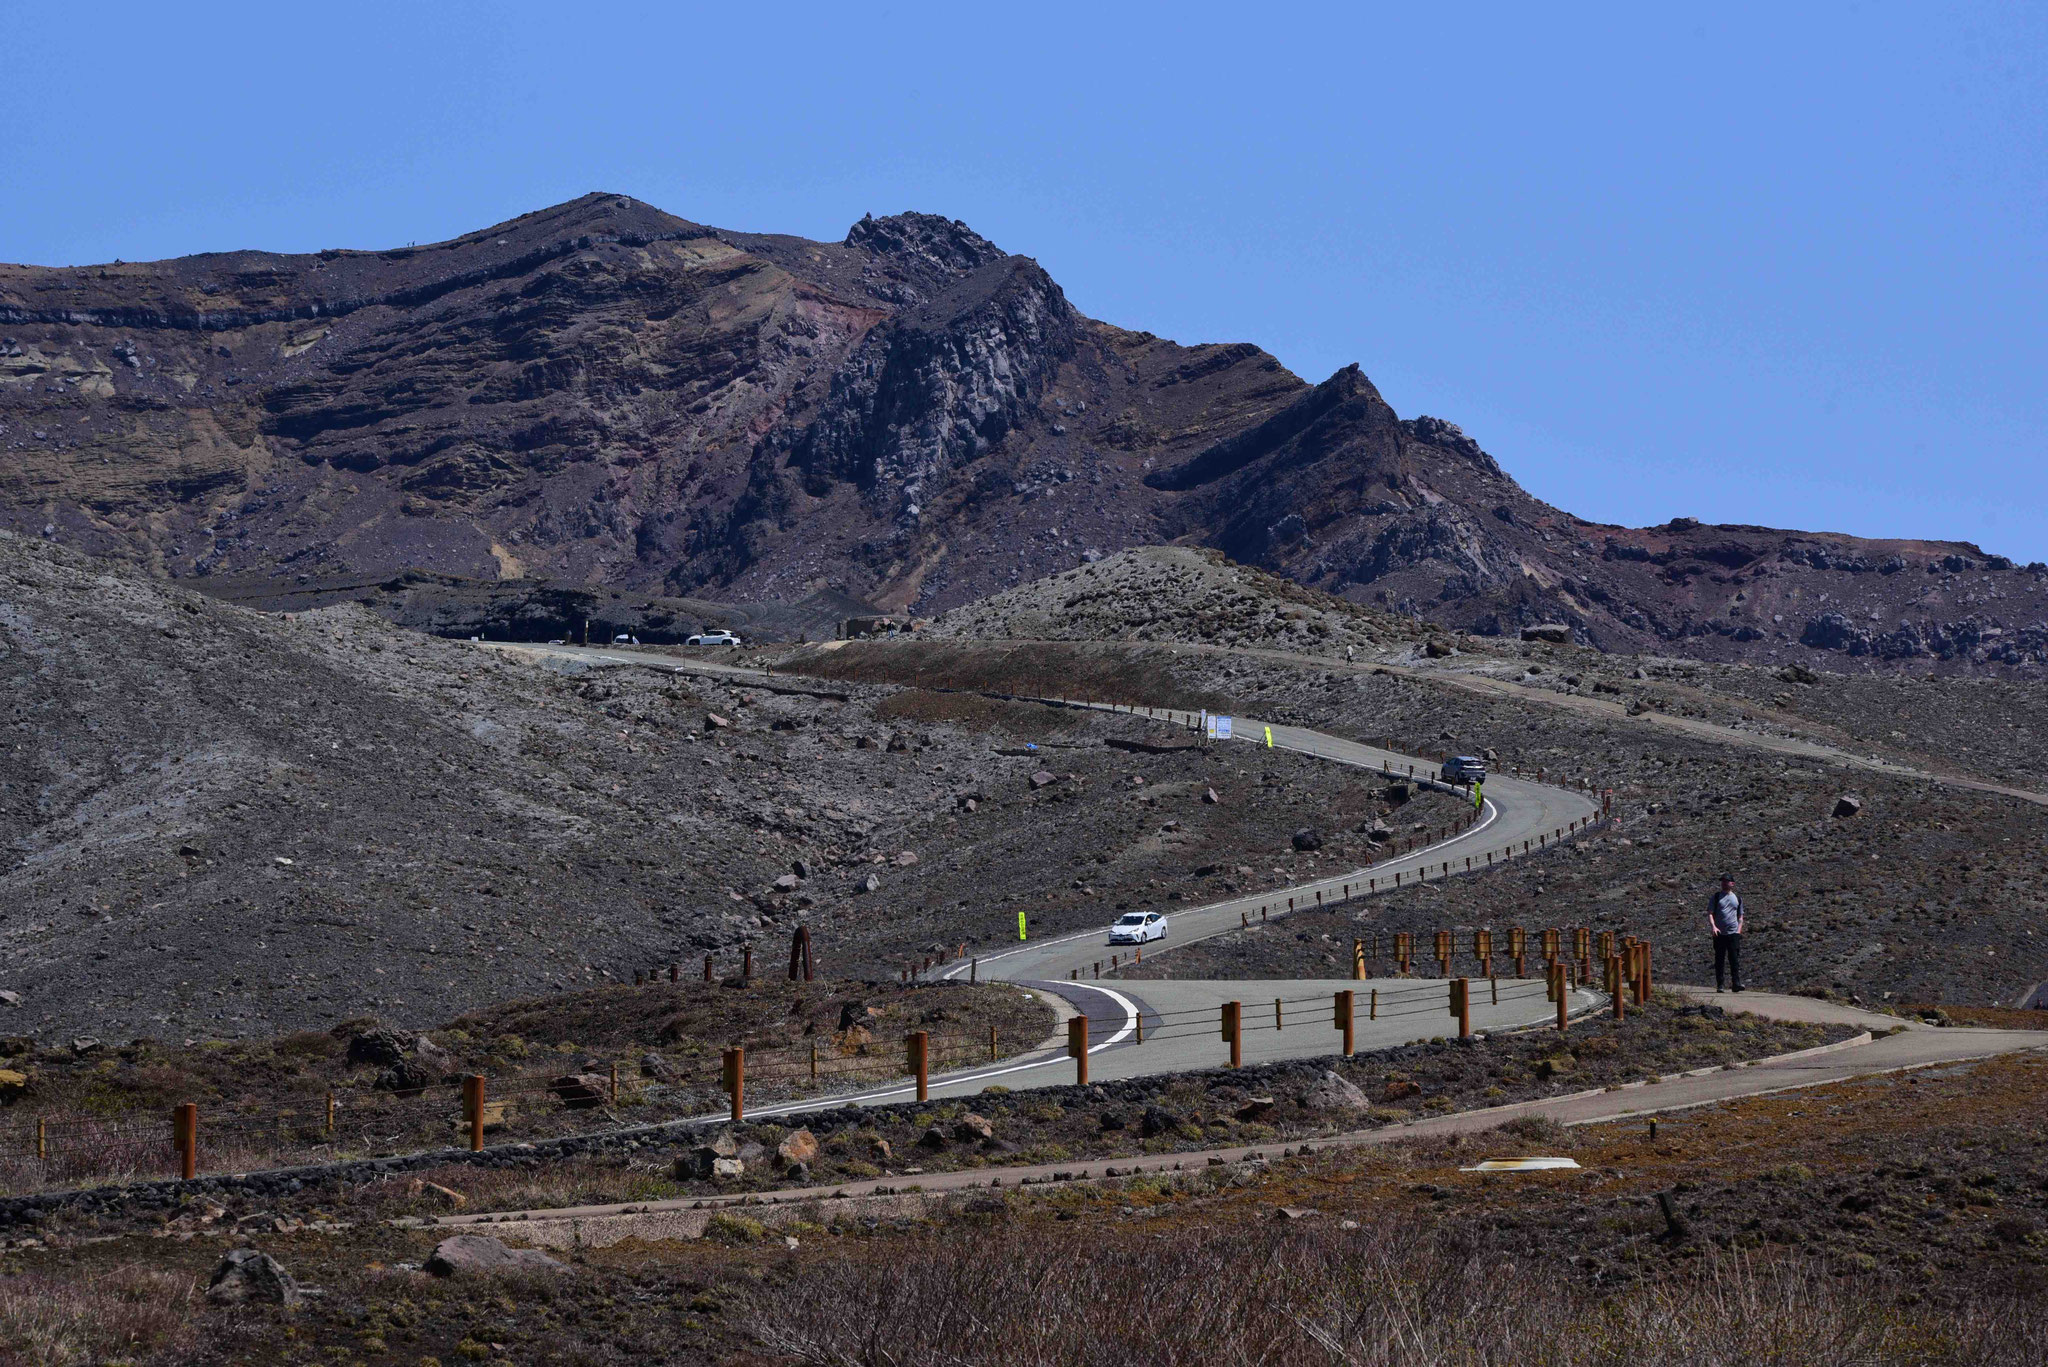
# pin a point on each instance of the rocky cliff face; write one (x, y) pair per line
(605, 394)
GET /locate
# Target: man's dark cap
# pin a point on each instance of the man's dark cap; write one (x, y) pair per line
(1727, 877)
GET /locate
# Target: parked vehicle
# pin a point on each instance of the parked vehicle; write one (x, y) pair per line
(713, 638)
(1464, 769)
(1137, 928)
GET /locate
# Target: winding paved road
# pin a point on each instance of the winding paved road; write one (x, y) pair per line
(1182, 1019)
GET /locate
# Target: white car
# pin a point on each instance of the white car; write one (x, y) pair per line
(1136, 927)
(713, 638)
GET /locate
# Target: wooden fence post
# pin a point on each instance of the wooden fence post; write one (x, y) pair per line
(185, 1138)
(1233, 1021)
(736, 1081)
(920, 1060)
(1077, 1048)
(1345, 1001)
(1461, 1004)
(473, 1109)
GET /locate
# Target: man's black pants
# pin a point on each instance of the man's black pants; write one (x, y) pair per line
(1728, 957)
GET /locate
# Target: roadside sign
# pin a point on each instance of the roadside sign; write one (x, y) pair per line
(1219, 728)
(1020, 925)
(1269, 738)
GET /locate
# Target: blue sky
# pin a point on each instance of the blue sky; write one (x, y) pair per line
(1777, 264)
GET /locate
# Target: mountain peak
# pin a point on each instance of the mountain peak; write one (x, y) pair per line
(945, 242)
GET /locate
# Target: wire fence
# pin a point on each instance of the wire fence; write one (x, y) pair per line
(64, 1148)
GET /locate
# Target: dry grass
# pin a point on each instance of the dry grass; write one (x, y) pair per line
(131, 1314)
(1317, 1293)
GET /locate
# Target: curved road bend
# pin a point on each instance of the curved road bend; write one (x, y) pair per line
(1183, 1018)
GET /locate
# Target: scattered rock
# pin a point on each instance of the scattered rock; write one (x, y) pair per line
(1437, 650)
(1042, 778)
(246, 1276)
(1209, 797)
(868, 884)
(1555, 1066)
(971, 1127)
(1157, 1121)
(12, 1083)
(1307, 838)
(1848, 806)
(1294, 1213)
(1557, 633)
(788, 882)
(1254, 1107)
(658, 1068)
(905, 859)
(479, 1255)
(728, 1169)
(1400, 1089)
(1333, 1093)
(798, 1146)
(800, 867)
(85, 1046)
(10, 998)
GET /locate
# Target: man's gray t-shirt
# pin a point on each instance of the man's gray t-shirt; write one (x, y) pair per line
(1726, 910)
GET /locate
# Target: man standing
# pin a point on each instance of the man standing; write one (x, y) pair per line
(1725, 919)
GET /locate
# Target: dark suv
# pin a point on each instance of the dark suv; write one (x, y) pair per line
(1464, 769)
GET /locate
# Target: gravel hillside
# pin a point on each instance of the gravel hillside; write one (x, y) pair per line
(217, 821)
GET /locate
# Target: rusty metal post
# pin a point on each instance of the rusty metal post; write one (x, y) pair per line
(1233, 1031)
(1077, 1048)
(1461, 996)
(747, 964)
(1494, 983)
(920, 1061)
(1564, 1000)
(736, 1081)
(993, 1052)
(1643, 983)
(1373, 1006)
(973, 971)
(707, 968)
(473, 1109)
(42, 1139)
(1358, 960)
(1278, 1024)
(185, 1138)
(814, 1060)
(1344, 1005)
(330, 1114)
(615, 1084)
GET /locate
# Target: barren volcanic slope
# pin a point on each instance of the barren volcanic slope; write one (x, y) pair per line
(221, 822)
(601, 393)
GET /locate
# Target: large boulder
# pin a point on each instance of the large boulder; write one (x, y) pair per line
(1308, 838)
(247, 1276)
(1557, 633)
(1848, 806)
(433, 1057)
(1333, 1093)
(377, 1046)
(478, 1255)
(404, 1078)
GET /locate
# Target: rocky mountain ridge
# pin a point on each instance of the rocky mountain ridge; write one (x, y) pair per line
(603, 394)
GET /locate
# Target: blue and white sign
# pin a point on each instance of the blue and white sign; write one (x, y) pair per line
(1219, 728)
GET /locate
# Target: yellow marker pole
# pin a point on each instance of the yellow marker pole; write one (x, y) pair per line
(1269, 738)
(1020, 925)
